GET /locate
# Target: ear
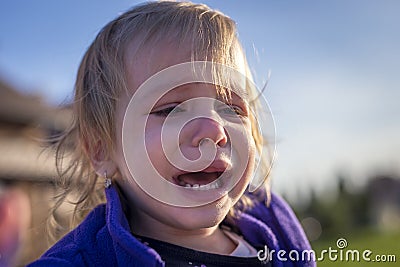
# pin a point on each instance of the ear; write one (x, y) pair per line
(101, 159)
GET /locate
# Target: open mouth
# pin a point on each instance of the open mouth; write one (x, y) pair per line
(199, 180)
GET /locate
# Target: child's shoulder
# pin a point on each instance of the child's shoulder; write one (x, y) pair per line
(273, 212)
(275, 223)
(76, 247)
(268, 207)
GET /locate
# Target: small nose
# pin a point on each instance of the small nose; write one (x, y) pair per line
(205, 128)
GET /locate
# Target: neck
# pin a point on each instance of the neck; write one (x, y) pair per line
(208, 239)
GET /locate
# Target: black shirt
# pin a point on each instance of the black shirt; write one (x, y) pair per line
(177, 256)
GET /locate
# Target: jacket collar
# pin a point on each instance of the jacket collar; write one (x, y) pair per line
(127, 247)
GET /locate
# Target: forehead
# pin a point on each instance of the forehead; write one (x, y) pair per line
(194, 90)
(143, 61)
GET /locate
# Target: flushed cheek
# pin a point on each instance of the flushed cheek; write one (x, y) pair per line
(245, 161)
(154, 150)
(243, 148)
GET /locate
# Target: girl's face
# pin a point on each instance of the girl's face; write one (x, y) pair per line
(188, 137)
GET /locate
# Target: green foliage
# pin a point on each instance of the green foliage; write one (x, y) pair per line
(354, 216)
(380, 243)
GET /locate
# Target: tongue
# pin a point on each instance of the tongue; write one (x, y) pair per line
(200, 178)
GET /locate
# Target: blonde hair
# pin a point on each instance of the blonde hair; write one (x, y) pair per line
(100, 81)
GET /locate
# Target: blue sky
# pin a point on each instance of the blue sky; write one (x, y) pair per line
(334, 88)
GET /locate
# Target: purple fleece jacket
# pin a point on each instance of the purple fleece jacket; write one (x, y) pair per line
(104, 238)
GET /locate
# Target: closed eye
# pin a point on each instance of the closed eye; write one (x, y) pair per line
(164, 112)
(232, 110)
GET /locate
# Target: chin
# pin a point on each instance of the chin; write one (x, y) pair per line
(206, 216)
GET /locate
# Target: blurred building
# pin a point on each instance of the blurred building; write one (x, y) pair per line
(26, 162)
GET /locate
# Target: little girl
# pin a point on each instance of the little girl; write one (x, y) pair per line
(165, 116)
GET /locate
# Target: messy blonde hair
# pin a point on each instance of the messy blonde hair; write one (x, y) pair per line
(101, 80)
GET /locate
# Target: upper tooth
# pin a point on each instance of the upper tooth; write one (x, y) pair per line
(188, 185)
(196, 186)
